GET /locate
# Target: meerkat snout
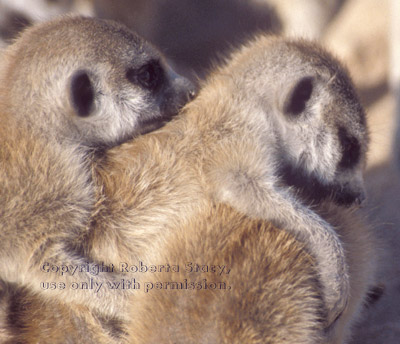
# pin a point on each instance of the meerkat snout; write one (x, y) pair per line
(100, 84)
(177, 94)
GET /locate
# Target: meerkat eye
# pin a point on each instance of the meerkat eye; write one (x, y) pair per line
(82, 93)
(298, 97)
(149, 76)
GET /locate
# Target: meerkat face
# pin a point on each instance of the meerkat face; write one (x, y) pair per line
(91, 81)
(318, 122)
(325, 138)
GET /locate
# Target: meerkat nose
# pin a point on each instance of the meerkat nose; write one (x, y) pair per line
(191, 88)
(192, 93)
(360, 199)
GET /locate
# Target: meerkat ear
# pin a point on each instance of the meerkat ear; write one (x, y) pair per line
(82, 93)
(295, 101)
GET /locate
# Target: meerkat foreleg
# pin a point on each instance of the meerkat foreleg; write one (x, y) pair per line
(264, 200)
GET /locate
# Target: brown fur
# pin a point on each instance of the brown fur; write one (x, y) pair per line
(226, 145)
(169, 175)
(275, 296)
(275, 292)
(271, 296)
(120, 201)
(159, 186)
(68, 89)
(31, 318)
(215, 148)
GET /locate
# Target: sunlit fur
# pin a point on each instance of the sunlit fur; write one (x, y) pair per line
(230, 144)
(156, 197)
(275, 295)
(47, 194)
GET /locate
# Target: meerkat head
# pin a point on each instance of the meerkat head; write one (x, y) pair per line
(310, 107)
(89, 81)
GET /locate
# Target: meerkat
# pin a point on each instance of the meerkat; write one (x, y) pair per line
(70, 88)
(280, 120)
(280, 128)
(254, 145)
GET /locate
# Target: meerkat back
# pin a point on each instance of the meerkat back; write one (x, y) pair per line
(235, 280)
(268, 289)
(273, 133)
(232, 279)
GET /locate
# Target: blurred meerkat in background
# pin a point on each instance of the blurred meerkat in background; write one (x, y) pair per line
(304, 18)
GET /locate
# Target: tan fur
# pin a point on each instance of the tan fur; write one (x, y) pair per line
(31, 318)
(186, 244)
(223, 149)
(361, 256)
(226, 145)
(271, 295)
(275, 295)
(68, 89)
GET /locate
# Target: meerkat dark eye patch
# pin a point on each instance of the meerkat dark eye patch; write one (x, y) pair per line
(351, 149)
(149, 76)
(296, 101)
(82, 93)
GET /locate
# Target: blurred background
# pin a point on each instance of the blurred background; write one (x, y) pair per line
(194, 35)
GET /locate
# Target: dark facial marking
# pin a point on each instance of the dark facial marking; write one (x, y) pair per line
(351, 149)
(149, 76)
(311, 190)
(174, 94)
(82, 93)
(297, 100)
